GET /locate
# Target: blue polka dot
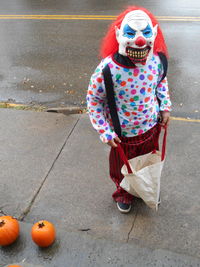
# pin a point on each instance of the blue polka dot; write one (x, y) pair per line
(100, 90)
(122, 92)
(132, 104)
(125, 122)
(141, 77)
(133, 131)
(126, 70)
(109, 137)
(142, 91)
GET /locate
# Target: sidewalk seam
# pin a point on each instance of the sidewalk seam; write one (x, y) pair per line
(27, 210)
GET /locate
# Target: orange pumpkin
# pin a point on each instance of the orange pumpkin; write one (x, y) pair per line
(14, 266)
(43, 233)
(9, 230)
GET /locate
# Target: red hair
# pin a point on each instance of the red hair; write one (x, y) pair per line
(110, 45)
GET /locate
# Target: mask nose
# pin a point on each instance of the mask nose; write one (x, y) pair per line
(140, 41)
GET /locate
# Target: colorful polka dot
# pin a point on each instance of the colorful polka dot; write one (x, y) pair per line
(99, 80)
(133, 92)
(136, 72)
(142, 77)
(150, 77)
(142, 90)
(123, 83)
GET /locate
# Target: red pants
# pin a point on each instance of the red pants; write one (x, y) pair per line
(133, 147)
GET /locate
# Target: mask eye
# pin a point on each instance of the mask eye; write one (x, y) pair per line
(128, 32)
(147, 32)
(131, 33)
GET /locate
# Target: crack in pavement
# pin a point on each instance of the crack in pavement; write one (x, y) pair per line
(2, 212)
(27, 210)
(136, 213)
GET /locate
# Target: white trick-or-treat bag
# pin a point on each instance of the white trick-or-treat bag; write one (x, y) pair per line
(142, 174)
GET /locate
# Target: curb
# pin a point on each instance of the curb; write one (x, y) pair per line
(71, 110)
(68, 110)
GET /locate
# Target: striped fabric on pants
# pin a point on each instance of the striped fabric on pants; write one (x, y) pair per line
(133, 147)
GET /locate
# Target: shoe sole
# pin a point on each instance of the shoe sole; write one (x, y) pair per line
(123, 211)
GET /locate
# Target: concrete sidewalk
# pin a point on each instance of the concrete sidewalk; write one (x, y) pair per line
(54, 167)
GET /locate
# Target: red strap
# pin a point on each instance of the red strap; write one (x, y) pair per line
(125, 160)
(123, 157)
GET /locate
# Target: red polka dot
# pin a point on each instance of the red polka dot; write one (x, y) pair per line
(130, 80)
(94, 86)
(134, 113)
(94, 103)
(101, 131)
(123, 83)
(99, 80)
(146, 99)
(127, 114)
(150, 77)
(149, 90)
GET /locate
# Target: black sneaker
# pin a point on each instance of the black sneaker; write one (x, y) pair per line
(123, 207)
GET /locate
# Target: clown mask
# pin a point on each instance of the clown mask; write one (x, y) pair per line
(136, 37)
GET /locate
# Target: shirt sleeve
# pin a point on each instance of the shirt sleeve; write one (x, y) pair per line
(163, 96)
(96, 99)
(162, 92)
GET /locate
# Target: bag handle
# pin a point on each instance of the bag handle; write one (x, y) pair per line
(164, 143)
(125, 160)
(123, 157)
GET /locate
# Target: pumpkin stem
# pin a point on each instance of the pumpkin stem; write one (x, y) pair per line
(41, 225)
(2, 223)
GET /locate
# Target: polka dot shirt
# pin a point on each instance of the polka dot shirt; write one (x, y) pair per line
(135, 92)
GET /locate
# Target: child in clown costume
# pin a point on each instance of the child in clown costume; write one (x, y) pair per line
(135, 56)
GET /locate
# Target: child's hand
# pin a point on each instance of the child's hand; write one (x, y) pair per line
(164, 118)
(113, 142)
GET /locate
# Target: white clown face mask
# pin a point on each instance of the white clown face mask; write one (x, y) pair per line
(136, 37)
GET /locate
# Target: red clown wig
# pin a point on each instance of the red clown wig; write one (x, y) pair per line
(110, 45)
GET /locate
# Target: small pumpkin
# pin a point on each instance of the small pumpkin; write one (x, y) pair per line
(43, 233)
(14, 266)
(9, 230)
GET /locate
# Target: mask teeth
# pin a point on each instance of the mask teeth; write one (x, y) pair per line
(137, 54)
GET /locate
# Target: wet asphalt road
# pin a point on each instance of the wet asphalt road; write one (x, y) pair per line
(49, 62)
